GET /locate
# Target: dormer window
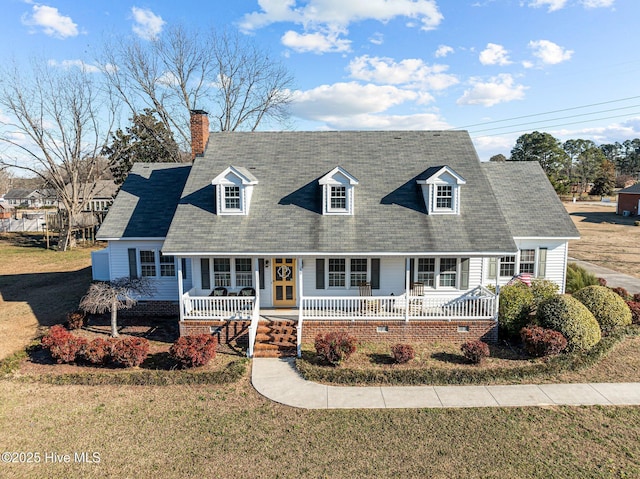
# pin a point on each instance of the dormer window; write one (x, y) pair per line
(441, 188)
(338, 198)
(338, 192)
(234, 188)
(232, 198)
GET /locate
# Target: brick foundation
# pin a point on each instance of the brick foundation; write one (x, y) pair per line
(227, 331)
(152, 308)
(406, 332)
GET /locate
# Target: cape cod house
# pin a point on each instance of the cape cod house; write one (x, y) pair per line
(390, 235)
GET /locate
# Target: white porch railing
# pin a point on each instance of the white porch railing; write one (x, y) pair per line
(218, 307)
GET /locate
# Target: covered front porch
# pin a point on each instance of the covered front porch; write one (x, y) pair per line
(288, 297)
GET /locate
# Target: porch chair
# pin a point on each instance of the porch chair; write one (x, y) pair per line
(417, 289)
(368, 306)
(248, 291)
(365, 289)
(416, 306)
(219, 291)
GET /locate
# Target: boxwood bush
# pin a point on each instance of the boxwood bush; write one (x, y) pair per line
(543, 289)
(607, 306)
(569, 316)
(516, 303)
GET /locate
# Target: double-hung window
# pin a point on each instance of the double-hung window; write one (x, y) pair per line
(222, 272)
(444, 197)
(148, 262)
(338, 198)
(244, 277)
(507, 266)
(337, 272)
(232, 198)
(426, 273)
(358, 273)
(527, 261)
(167, 265)
(448, 272)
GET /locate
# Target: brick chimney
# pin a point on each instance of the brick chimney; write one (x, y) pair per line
(199, 132)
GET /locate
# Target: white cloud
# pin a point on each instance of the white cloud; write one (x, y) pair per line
(147, 24)
(443, 51)
(51, 21)
(549, 53)
(337, 13)
(553, 4)
(377, 38)
(499, 89)
(494, 54)
(347, 100)
(411, 72)
(68, 64)
(315, 42)
(597, 3)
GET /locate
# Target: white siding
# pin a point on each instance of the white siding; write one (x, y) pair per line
(556, 261)
(166, 288)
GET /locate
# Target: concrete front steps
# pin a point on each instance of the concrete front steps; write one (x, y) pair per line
(275, 338)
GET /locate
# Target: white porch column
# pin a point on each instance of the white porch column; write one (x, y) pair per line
(300, 314)
(407, 280)
(497, 287)
(256, 266)
(180, 289)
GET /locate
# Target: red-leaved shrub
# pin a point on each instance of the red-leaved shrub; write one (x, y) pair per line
(75, 319)
(63, 346)
(98, 351)
(56, 334)
(602, 282)
(636, 297)
(542, 342)
(623, 293)
(475, 351)
(129, 352)
(194, 351)
(335, 347)
(402, 353)
(634, 306)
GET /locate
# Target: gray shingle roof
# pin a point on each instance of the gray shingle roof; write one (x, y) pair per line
(390, 215)
(633, 189)
(528, 201)
(146, 203)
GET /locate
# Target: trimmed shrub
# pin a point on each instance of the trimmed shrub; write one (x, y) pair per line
(543, 289)
(402, 353)
(542, 342)
(129, 352)
(623, 293)
(609, 309)
(516, 303)
(56, 334)
(475, 351)
(636, 297)
(63, 346)
(194, 351)
(98, 351)
(75, 319)
(634, 307)
(334, 347)
(602, 282)
(578, 278)
(569, 316)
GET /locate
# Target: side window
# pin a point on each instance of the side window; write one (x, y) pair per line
(148, 262)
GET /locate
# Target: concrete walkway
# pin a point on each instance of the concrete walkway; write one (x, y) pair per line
(614, 279)
(278, 380)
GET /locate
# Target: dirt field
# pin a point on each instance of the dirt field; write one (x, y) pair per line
(606, 239)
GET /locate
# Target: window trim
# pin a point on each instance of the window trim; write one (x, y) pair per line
(348, 272)
(148, 264)
(167, 263)
(232, 273)
(437, 273)
(226, 197)
(533, 261)
(512, 264)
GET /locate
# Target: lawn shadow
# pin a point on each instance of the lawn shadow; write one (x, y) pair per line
(378, 358)
(601, 217)
(160, 329)
(450, 358)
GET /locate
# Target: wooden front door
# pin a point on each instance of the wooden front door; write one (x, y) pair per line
(284, 282)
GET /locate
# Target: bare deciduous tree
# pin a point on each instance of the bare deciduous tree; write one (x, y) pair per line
(184, 69)
(121, 293)
(56, 128)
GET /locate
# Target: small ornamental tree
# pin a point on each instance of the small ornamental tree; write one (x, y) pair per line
(114, 295)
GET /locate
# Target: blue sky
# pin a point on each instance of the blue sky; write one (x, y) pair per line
(498, 68)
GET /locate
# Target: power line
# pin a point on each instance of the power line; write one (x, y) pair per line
(561, 124)
(545, 113)
(560, 118)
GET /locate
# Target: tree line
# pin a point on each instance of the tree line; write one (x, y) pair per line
(60, 120)
(577, 165)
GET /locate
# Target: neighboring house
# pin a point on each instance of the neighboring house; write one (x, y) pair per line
(6, 211)
(32, 198)
(102, 196)
(629, 201)
(390, 235)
